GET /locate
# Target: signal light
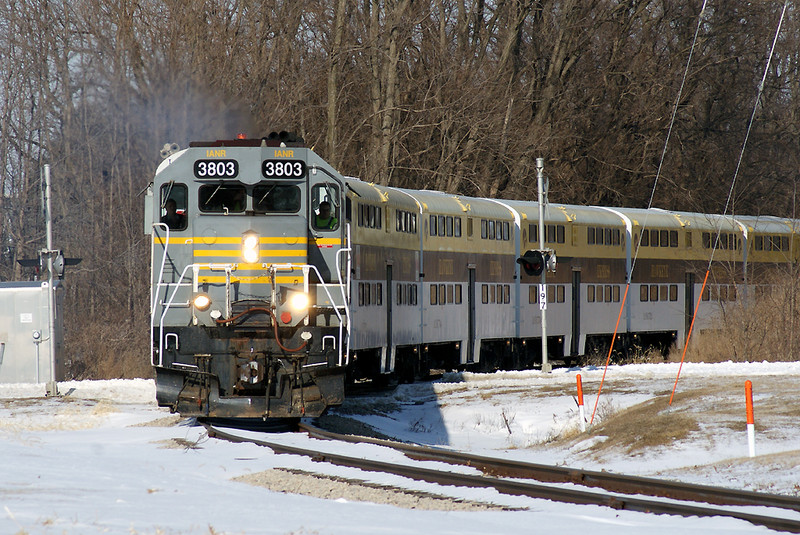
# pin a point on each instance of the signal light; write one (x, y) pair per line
(532, 262)
(535, 261)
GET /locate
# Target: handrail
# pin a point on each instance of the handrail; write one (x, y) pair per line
(335, 309)
(345, 288)
(196, 267)
(154, 295)
(164, 313)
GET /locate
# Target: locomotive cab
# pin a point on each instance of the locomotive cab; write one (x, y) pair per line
(248, 310)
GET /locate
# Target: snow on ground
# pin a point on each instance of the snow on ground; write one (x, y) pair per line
(102, 458)
(700, 437)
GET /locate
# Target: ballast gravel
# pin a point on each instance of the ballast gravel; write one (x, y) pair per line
(337, 488)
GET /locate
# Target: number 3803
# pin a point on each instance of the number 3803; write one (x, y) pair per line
(216, 168)
(283, 168)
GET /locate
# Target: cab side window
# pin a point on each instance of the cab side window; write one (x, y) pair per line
(173, 204)
(325, 207)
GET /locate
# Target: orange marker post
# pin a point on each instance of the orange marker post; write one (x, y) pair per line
(580, 405)
(751, 421)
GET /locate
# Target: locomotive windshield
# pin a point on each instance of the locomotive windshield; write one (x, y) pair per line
(233, 198)
(276, 198)
(223, 198)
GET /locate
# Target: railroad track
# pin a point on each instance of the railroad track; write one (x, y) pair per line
(558, 474)
(496, 470)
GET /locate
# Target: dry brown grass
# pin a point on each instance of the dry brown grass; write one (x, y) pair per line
(763, 326)
(645, 426)
(112, 350)
(637, 355)
(702, 409)
(167, 421)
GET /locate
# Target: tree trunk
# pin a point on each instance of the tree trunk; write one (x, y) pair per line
(331, 149)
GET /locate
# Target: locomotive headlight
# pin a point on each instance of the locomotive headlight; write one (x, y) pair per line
(201, 301)
(298, 301)
(250, 248)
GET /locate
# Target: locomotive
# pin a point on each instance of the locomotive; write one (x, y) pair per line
(276, 281)
(249, 302)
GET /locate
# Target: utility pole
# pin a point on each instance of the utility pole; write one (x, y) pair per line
(52, 385)
(546, 368)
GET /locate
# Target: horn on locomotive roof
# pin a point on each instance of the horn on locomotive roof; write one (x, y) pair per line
(285, 137)
(169, 149)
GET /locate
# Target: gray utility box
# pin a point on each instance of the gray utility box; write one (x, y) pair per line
(25, 338)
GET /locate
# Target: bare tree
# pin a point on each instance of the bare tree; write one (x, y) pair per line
(454, 95)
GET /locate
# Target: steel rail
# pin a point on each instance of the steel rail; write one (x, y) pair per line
(558, 474)
(517, 488)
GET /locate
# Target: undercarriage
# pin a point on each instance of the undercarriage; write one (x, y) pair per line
(249, 376)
